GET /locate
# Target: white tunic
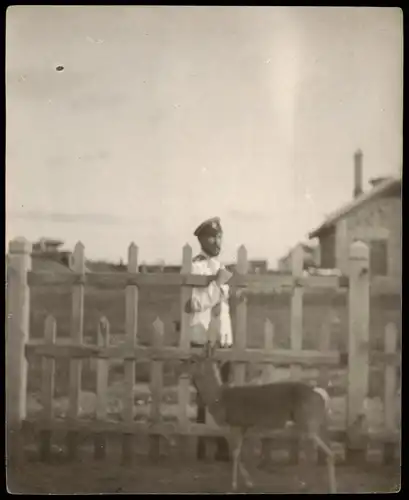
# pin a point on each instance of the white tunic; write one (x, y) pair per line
(211, 317)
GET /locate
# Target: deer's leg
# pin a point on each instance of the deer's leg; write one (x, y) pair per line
(237, 441)
(306, 459)
(240, 466)
(246, 475)
(201, 419)
(330, 462)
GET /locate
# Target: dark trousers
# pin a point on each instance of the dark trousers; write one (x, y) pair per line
(222, 451)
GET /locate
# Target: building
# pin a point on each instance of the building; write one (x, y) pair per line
(172, 269)
(311, 258)
(374, 216)
(47, 249)
(47, 256)
(258, 266)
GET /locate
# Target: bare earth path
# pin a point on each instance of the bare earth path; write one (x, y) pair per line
(173, 476)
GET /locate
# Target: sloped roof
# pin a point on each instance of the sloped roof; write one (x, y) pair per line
(42, 264)
(307, 247)
(389, 187)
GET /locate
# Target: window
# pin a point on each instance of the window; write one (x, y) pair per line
(327, 244)
(378, 257)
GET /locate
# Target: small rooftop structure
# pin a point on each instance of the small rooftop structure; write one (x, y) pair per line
(47, 245)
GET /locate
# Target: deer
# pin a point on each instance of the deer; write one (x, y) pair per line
(261, 407)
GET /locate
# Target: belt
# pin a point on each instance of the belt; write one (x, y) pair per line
(196, 344)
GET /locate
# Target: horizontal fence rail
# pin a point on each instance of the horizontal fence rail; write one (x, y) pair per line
(256, 283)
(139, 353)
(192, 429)
(123, 279)
(65, 349)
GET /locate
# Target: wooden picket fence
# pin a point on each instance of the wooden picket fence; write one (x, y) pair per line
(20, 349)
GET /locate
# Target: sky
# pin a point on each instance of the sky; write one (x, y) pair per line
(164, 116)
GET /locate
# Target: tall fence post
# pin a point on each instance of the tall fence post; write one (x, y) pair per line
(77, 337)
(102, 374)
(297, 264)
(184, 344)
(358, 349)
(18, 321)
(47, 388)
(131, 332)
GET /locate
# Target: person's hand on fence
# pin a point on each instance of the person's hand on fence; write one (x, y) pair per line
(223, 276)
(192, 306)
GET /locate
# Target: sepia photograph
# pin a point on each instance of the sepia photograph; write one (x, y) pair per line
(203, 249)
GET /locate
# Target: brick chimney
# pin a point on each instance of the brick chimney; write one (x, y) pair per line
(358, 173)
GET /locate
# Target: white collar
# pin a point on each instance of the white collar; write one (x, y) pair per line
(208, 257)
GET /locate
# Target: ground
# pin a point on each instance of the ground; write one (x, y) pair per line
(171, 476)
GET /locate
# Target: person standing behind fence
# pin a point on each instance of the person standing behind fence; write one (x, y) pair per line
(209, 312)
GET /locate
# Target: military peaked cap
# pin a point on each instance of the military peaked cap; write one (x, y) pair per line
(210, 227)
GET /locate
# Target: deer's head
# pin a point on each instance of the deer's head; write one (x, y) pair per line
(204, 373)
(200, 366)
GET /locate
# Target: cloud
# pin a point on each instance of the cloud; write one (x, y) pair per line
(247, 215)
(43, 83)
(64, 218)
(93, 157)
(93, 102)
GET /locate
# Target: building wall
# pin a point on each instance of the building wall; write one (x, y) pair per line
(312, 258)
(376, 220)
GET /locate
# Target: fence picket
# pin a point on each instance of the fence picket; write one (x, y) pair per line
(156, 386)
(102, 372)
(389, 401)
(240, 339)
(267, 377)
(184, 343)
(47, 390)
(268, 369)
(324, 373)
(77, 337)
(297, 264)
